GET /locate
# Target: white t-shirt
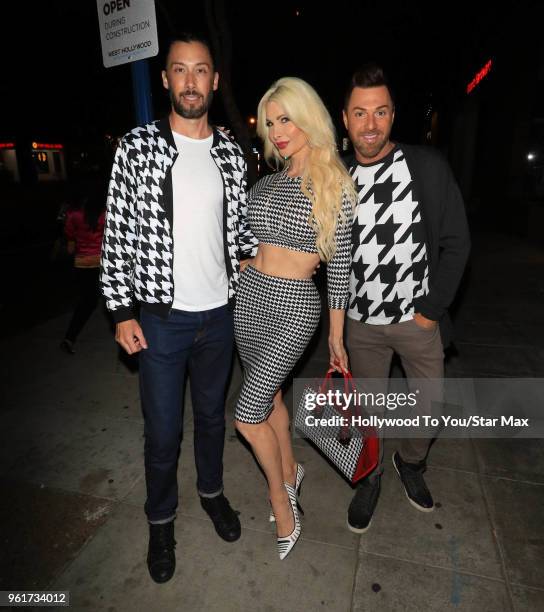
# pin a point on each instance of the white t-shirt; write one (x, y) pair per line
(200, 275)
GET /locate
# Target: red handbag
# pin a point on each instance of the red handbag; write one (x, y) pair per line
(352, 447)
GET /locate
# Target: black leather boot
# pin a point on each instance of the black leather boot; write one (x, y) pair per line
(224, 518)
(161, 556)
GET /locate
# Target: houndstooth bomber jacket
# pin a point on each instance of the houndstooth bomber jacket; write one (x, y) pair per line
(137, 248)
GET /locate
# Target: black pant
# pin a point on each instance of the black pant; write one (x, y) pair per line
(200, 344)
(87, 288)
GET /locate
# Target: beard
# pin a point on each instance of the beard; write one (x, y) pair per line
(191, 112)
(370, 150)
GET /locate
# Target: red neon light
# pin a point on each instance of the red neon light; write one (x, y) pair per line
(42, 145)
(479, 76)
(7, 145)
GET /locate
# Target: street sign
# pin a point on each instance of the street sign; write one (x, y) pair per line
(128, 30)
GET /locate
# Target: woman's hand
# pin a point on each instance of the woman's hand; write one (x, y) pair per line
(246, 262)
(338, 356)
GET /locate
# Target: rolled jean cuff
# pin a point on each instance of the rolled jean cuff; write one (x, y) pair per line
(210, 495)
(162, 521)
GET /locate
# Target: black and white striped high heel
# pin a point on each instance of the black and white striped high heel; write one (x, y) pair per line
(286, 543)
(298, 482)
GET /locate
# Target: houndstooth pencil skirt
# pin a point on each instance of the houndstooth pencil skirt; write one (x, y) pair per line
(274, 320)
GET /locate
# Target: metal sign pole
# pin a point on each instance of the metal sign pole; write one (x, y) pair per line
(141, 88)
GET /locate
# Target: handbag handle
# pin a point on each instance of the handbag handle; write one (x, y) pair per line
(326, 385)
(344, 434)
(327, 381)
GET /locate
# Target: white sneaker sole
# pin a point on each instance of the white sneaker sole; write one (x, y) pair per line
(416, 506)
(359, 531)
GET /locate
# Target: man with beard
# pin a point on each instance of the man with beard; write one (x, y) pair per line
(175, 230)
(410, 244)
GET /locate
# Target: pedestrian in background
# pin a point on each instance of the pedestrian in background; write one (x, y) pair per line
(84, 228)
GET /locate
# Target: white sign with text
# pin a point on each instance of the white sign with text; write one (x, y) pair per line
(128, 30)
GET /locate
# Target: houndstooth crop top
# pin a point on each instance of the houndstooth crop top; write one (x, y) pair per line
(278, 214)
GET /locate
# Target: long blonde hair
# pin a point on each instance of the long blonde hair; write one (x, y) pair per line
(325, 181)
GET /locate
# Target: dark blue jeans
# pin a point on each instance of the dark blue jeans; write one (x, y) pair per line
(200, 344)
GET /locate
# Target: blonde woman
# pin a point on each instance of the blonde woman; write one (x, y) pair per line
(301, 215)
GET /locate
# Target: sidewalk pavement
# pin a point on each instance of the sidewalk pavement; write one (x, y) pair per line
(72, 485)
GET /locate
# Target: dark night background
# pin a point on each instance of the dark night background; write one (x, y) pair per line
(54, 88)
(71, 428)
(55, 85)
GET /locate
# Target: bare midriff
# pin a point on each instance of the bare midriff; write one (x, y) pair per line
(285, 263)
